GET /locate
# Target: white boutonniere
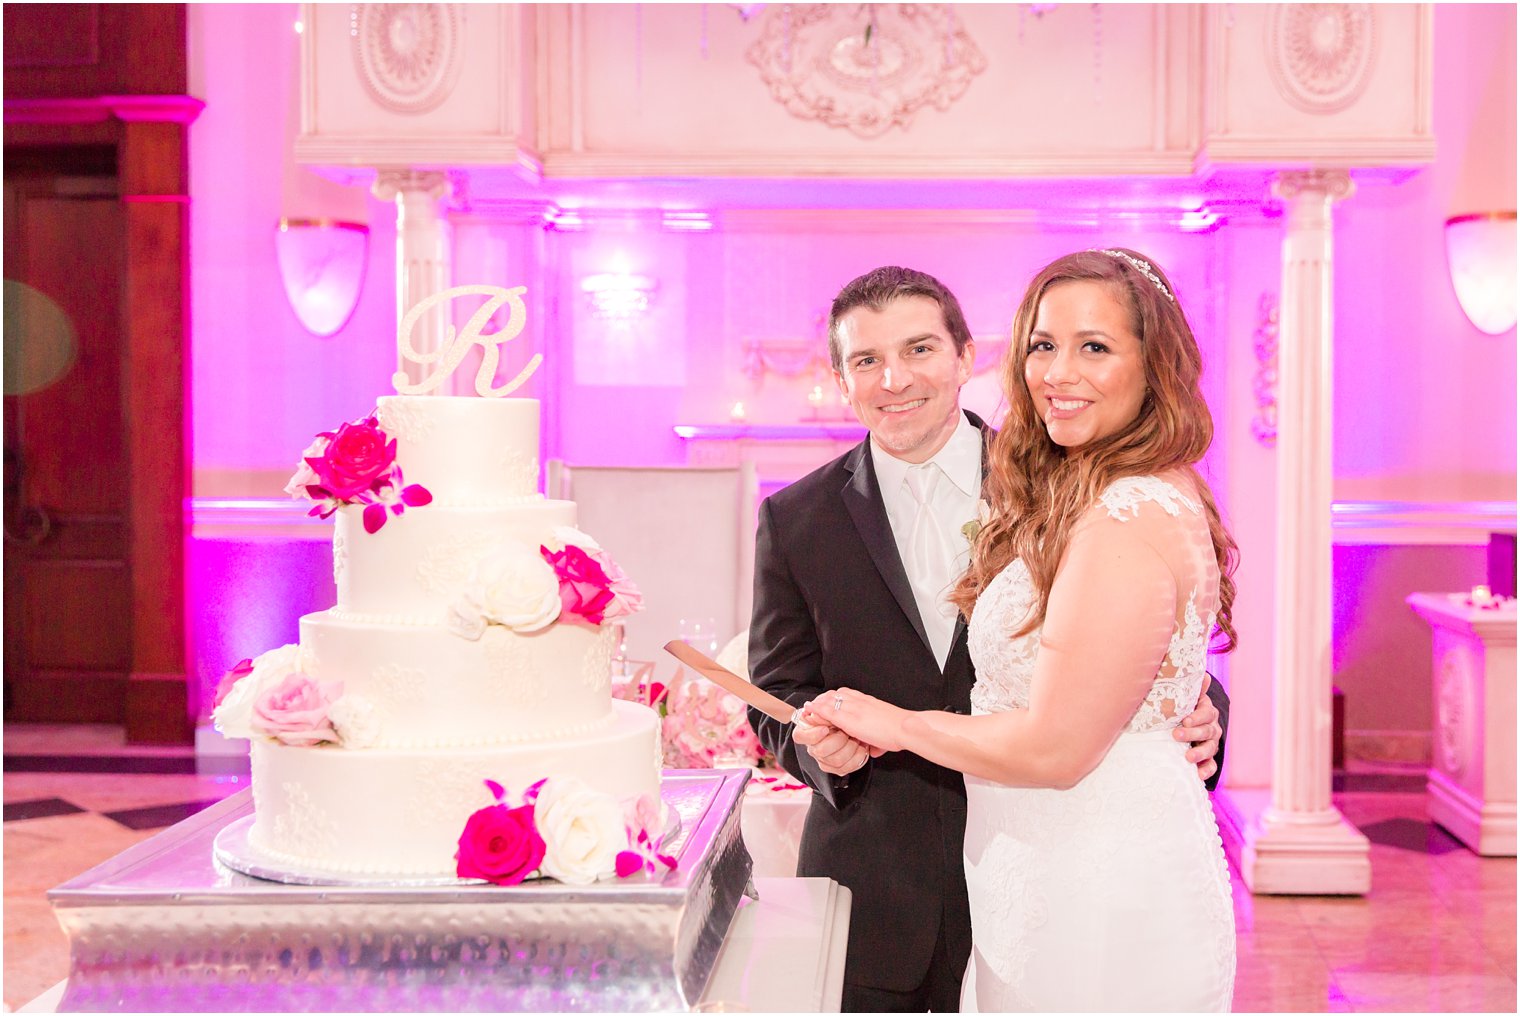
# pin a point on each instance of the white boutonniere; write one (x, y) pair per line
(971, 529)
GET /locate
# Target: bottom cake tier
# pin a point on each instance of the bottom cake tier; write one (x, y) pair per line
(400, 812)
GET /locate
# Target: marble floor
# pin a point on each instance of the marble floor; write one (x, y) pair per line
(1436, 934)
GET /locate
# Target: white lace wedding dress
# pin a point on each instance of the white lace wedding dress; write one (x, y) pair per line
(1113, 895)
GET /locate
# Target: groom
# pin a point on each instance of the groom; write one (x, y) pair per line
(849, 562)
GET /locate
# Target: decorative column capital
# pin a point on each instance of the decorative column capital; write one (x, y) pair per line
(391, 182)
(1334, 184)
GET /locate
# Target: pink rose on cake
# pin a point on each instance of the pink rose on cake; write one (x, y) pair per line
(583, 831)
(357, 456)
(500, 844)
(512, 587)
(295, 711)
(233, 714)
(355, 464)
(626, 598)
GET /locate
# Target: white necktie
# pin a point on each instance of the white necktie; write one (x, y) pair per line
(931, 563)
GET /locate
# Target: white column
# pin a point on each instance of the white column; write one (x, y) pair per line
(422, 259)
(1299, 842)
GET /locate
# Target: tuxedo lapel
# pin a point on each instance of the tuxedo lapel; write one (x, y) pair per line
(987, 433)
(862, 499)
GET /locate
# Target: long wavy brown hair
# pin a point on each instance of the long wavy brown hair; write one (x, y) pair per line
(1038, 489)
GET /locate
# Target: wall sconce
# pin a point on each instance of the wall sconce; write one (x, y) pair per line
(322, 265)
(1480, 251)
(618, 296)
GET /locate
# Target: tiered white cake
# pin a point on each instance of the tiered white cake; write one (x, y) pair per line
(423, 710)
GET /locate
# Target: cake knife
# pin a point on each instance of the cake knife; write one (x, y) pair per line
(730, 682)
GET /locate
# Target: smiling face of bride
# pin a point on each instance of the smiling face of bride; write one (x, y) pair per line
(1084, 366)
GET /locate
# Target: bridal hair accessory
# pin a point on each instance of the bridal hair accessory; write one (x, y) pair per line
(1143, 267)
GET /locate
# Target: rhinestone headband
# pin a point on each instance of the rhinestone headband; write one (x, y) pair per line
(1144, 268)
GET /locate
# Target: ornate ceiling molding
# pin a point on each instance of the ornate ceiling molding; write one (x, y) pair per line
(865, 68)
(407, 55)
(1320, 54)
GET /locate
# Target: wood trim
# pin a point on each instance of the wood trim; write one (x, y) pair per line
(160, 701)
(182, 109)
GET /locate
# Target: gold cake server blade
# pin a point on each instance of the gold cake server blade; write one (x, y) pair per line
(726, 679)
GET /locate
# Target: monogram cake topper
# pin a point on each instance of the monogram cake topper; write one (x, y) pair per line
(457, 343)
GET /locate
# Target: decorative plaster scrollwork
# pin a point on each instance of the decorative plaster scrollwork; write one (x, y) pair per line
(1264, 383)
(407, 55)
(1454, 712)
(1319, 54)
(865, 68)
(787, 358)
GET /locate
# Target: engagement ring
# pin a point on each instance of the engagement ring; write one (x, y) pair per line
(838, 703)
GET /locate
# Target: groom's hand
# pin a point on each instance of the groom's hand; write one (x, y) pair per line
(1201, 728)
(836, 752)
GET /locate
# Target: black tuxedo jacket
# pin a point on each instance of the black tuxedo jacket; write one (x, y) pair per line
(832, 609)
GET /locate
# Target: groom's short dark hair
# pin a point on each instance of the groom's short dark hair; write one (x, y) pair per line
(875, 289)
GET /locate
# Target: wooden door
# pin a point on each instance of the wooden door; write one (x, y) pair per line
(68, 588)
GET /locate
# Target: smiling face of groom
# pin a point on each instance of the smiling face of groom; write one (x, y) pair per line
(901, 352)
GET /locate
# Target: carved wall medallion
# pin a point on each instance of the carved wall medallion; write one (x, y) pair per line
(866, 68)
(407, 55)
(1319, 54)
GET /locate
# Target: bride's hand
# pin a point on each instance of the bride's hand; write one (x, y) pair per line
(863, 717)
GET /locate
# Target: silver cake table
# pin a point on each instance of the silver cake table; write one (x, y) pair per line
(165, 927)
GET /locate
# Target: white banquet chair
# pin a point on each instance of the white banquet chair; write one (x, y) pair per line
(685, 536)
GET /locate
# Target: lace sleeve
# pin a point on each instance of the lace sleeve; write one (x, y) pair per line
(1171, 522)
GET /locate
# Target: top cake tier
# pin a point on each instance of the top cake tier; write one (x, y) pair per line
(467, 451)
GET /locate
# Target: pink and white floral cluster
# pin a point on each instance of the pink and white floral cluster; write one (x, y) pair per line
(271, 696)
(568, 579)
(564, 830)
(355, 464)
(706, 727)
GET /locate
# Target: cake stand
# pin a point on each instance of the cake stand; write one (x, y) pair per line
(165, 927)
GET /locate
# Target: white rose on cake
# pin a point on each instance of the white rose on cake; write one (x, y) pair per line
(569, 536)
(583, 831)
(233, 716)
(355, 719)
(512, 586)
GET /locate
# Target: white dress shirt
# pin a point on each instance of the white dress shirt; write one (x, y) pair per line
(953, 504)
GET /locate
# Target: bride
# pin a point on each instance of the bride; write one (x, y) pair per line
(1096, 874)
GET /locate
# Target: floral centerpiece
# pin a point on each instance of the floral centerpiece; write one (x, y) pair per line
(701, 725)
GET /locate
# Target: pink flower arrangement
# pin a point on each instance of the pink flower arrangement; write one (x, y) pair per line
(591, 588)
(355, 464)
(644, 834)
(500, 844)
(705, 726)
(642, 688)
(357, 456)
(561, 829)
(295, 711)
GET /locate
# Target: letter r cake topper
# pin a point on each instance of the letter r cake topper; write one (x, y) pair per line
(458, 343)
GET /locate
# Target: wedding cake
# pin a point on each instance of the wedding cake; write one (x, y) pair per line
(452, 714)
